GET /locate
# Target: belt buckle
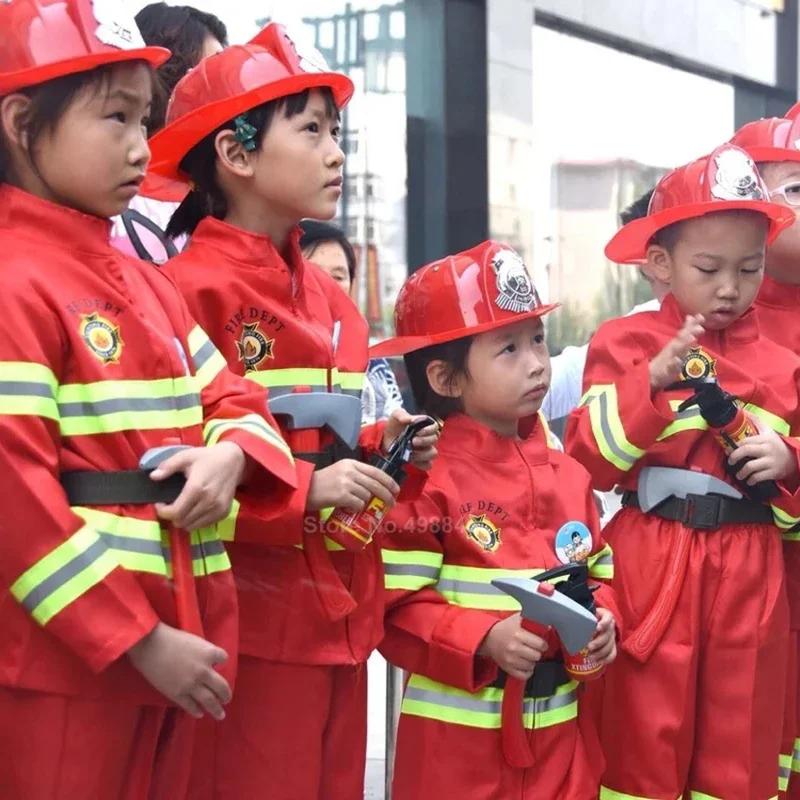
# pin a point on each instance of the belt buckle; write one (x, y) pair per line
(702, 511)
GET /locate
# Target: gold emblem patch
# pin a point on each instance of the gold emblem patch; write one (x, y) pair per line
(102, 338)
(483, 532)
(698, 365)
(253, 346)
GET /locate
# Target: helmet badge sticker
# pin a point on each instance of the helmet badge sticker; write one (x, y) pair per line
(311, 60)
(736, 177)
(514, 284)
(116, 26)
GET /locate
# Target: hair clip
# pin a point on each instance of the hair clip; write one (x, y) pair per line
(244, 133)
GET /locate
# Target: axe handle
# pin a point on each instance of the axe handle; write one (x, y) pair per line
(186, 601)
(516, 746)
(641, 642)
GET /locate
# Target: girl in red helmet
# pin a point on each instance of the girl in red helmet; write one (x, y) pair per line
(255, 131)
(100, 363)
(490, 709)
(694, 704)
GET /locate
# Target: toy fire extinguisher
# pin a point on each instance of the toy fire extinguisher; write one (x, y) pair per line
(354, 530)
(730, 425)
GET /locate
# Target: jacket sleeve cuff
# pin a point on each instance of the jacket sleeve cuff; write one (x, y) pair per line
(455, 642)
(644, 415)
(274, 459)
(371, 437)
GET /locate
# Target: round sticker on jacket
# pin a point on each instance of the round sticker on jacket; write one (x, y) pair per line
(573, 543)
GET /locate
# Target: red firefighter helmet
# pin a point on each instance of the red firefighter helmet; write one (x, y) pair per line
(234, 81)
(46, 39)
(725, 180)
(772, 139)
(471, 292)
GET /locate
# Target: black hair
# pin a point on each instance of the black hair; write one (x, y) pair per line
(637, 209)
(316, 233)
(669, 237)
(454, 354)
(49, 101)
(200, 164)
(183, 30)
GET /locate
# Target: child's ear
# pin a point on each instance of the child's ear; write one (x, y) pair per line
(232, 155)
(440, 378)
(659, 263)
(13, 108)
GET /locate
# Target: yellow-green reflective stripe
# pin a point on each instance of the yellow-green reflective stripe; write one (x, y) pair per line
(610, 794)
(702, 796)
(208, 552)
(592, 394)
(250, 423)
(782, 519)
(470, 587)
(796, 756)
(349, 382)
(784, 771)
(64, 574)
(226, 528)
(767, 417)
(112, 406)
(687, 420)
(208, 362)
(410, 570)
(314, 377)
(609, 432)
(426, 698)
(794, 536)
(28, 389)
(601, 564)
(139, 545)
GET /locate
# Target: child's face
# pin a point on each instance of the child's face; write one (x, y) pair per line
(783, 256)
(716, 267)
(509, 374)
(330, 257)
(299, 169)
(95, 157)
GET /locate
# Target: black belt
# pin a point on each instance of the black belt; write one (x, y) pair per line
(546, 678)
(126, 487)
(705, 511)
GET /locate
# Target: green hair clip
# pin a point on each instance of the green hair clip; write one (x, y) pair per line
(245, 133)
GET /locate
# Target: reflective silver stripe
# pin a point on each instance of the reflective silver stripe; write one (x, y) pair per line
(214, 547)
(785, 773)
(99, 408)
(606, 560)
(467, 587)
(608, 434)
(419, 570)
(532, 705)
(26, 388)
(205, 353)
(131, 545)
(61, 576)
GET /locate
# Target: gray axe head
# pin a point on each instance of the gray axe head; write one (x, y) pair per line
(156, 456)
(341, 413)
(574, 624)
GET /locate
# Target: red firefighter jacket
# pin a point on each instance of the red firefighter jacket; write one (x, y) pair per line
(285, 323)
(620, 427)
(492, 507)
(100, 361)
(778, 308)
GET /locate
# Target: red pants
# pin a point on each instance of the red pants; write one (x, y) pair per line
(438, 760)
(292, 732)
(703, 714)
(61, 748)
(791, 732)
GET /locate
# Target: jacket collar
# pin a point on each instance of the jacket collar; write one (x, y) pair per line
(31, 216)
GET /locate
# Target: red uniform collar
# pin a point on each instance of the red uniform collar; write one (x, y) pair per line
(251, 249)
(779, 295)
(29, 215)
(744, 331)
(462, 434)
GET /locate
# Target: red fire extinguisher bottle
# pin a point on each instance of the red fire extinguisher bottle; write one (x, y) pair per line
(730, 426)
(354, 530)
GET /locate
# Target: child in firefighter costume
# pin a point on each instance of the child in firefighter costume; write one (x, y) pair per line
(694, 704)
(100, 361)
(771, 144)
(255, 130)
(498, 503)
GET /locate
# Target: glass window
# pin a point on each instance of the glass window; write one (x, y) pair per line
(596, 148)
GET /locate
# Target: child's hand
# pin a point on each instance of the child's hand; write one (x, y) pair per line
(512, 648)
(350, 484)
(181, 666)
(603, 646)
(212, 475)
(423, 444)
(666, 367)
(772, 458)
